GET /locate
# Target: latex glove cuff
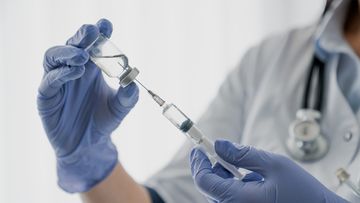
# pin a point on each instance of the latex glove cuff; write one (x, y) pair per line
(86, 166)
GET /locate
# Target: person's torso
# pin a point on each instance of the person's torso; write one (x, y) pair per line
(278, 94)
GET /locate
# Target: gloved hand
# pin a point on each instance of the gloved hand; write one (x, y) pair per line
(284, 181)
(79, 111)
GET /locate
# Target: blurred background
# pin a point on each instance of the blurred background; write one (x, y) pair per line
(183, 49)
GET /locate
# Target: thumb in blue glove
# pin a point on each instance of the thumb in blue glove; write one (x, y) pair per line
(284, 181)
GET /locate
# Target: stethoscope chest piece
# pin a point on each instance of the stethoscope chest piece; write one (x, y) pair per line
(305, 142)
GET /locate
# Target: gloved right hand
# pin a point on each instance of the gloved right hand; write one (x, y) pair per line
(79, 111)
(284, 181)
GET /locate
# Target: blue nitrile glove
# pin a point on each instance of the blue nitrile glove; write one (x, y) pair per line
(79, 111)
(284, 181)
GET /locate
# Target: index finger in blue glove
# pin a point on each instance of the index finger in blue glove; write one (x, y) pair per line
(221, 171)
(60, 56)
(87, 33)
(84, 37)
(53, 81)
(105, 27)
(244, 157)
(205, 179)
(253, 176)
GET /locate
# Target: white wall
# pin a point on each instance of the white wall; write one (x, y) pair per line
(2, 115)
(183, 48)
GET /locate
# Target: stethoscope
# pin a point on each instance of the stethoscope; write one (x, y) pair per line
(305, 142)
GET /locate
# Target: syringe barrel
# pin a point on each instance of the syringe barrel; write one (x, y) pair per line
(207, 146)
(177, 117)
(183, 123)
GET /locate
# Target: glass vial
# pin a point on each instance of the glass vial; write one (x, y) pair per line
(108, 57)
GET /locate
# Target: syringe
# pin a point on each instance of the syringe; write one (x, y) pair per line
(188, 127)
(109, 58)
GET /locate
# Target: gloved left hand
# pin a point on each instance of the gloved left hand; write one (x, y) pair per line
(284, 181)
(79, 110)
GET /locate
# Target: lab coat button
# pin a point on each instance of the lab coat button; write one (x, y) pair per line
(348, 136)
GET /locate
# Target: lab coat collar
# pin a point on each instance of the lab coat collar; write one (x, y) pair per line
(329, 38)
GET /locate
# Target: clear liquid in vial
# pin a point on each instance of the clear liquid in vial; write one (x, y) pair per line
(113, 66)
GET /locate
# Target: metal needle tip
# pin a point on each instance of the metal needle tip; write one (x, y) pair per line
(156, 98)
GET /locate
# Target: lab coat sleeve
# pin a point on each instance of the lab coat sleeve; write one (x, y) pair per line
(223, 119)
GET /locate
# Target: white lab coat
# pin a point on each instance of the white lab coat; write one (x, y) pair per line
(257, 102)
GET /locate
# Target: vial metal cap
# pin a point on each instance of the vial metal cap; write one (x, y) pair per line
(128, 76)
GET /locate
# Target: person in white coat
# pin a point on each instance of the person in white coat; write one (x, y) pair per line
(296, 94)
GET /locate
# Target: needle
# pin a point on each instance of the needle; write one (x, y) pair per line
(155, 97)
(142, 85)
